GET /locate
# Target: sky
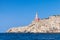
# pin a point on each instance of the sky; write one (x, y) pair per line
(18, 13)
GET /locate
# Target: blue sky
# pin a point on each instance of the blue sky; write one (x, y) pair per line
(14, 13)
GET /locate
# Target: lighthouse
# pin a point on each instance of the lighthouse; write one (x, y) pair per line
(36, 17)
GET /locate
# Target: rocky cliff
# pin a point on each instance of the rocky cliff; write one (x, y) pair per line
(47, 25)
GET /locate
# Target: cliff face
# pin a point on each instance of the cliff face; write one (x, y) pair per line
(47, 25)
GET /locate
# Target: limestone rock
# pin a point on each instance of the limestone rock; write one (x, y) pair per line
(47, 25)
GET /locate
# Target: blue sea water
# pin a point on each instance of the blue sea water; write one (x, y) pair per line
(29, 36)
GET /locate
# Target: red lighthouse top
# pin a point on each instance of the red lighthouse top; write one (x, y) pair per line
(36, 18)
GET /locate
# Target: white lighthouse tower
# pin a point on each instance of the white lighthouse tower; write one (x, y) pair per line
(36, 17)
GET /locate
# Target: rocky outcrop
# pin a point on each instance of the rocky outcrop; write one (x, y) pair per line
(47, 25)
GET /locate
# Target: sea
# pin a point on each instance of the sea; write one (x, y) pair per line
(29, 36)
